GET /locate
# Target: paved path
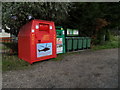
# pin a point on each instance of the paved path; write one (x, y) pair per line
(87, 69)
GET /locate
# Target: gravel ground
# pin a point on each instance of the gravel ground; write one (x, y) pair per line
(87, 69)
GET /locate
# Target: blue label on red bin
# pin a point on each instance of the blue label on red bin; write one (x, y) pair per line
(44, 49)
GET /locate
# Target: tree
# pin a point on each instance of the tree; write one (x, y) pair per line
(84, 17)
(87, 17)
(16, 14)
(85, 14)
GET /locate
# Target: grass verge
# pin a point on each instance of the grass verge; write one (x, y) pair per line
(113, 43)
(12, 62)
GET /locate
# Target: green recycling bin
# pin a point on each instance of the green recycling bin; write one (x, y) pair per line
(84, 42)
(88, 42)
(69, 44)
(79, 43)
(60, 40)
(75, 43)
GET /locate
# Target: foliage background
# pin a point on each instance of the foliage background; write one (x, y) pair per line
(90, 18)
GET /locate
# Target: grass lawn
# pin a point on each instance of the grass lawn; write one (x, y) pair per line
(12, 62)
